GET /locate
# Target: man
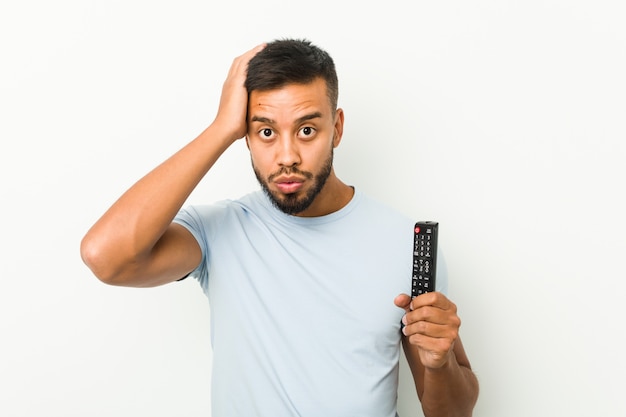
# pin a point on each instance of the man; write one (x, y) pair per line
(301, 277)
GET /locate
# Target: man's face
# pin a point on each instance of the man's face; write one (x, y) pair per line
(291, 135)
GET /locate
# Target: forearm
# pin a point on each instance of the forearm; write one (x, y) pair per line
(134, 242)
(451, 390)
(136, 221)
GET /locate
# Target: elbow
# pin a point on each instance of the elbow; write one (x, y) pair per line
(99, 262)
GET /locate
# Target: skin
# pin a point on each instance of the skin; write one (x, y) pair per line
(291, 133)
(294, 129)
(445, 383)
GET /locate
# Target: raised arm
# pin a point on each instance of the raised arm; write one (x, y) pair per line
(135, 242)
(445, 383)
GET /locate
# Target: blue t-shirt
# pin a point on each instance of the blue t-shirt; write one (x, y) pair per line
(302, 315)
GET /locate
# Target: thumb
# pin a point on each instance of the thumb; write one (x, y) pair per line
(403, 301)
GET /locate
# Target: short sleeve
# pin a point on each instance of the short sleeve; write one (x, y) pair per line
(191, 218)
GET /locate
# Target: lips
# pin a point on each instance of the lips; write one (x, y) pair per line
(289, 184)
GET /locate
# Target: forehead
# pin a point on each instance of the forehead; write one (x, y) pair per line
(290, 100)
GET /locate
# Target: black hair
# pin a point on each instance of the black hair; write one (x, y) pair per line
(292, 61)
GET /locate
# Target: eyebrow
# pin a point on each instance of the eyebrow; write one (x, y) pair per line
(304, 118)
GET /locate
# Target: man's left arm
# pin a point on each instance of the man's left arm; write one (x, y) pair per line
(445, 383)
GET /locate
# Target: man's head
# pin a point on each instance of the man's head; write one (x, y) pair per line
(292, 61)
(293, 125)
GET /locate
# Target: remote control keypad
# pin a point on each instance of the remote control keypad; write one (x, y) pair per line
(425, 241)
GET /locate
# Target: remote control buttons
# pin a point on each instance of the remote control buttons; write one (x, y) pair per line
(424, 256)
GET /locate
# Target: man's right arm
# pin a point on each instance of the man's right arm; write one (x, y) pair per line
(135, 242)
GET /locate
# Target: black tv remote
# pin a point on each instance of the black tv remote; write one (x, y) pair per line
(424, 257)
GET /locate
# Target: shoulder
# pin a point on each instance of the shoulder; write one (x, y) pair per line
(220, 212)
(249, 202)
(381, 210)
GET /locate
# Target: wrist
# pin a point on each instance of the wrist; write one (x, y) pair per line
(221, 135)
(447, 363)
(230, 130)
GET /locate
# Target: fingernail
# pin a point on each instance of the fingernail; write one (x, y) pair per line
(404, 320)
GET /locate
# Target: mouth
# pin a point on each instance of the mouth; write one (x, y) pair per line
(289, 185)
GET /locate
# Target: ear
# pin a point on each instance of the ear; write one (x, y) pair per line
(247, 143)
(338, 127)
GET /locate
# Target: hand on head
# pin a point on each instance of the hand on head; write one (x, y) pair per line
(233, 106)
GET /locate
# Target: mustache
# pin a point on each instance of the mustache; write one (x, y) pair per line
(290, 171)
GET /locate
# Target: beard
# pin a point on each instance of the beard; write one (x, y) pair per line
(295, 203)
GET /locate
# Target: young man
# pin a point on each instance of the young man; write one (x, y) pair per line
(303, 277)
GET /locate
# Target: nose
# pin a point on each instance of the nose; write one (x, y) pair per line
(288, 153)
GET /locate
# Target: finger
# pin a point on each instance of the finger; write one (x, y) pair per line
(403, 301)
(434, 315)
(433, 299)
(240, 64)
(247, 56)
(258, 48)
(433, 351)
(430, 332)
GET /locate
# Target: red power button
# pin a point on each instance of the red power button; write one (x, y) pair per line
(417, 229)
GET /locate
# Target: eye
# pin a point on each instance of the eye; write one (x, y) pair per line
(266, 133)
(307, 132)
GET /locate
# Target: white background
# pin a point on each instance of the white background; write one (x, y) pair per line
(502, 120)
